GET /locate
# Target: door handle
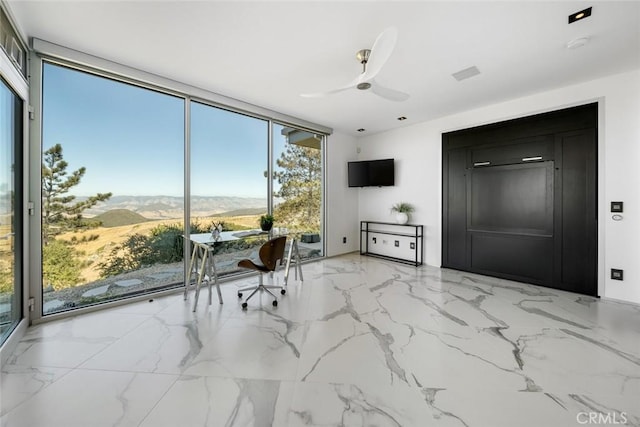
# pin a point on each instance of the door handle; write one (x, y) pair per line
(531, 159)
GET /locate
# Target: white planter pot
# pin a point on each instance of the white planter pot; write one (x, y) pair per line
(402, 218)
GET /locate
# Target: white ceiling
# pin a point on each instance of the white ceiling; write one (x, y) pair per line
(267, 53)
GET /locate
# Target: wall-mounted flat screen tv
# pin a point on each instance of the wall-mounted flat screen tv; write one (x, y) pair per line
(371, 173)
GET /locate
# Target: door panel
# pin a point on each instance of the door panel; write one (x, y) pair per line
(510, 221)
(513, 198)
(454, 248)
(513, 256)
(578, 238)
(515, 151)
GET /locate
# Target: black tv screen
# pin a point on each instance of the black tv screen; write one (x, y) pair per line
(371, 173)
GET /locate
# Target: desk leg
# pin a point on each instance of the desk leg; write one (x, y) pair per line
(203, 266)
(293, 252)
(298, 263)
(209, 271)
(288, 265)
(213, 275)
(191, 262)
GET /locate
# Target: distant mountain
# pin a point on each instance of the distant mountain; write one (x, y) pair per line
(119, 217)
(167, 207)
(243, 212)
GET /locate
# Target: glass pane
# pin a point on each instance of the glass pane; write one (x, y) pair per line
(297, 186)
(229, 158)
(112, 189)
(10, 226)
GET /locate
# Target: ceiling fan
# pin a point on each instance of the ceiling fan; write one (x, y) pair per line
(372, 61)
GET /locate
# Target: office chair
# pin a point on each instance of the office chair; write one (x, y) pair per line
(269, 254)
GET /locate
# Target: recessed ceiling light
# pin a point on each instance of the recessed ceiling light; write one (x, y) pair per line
(579, 15)
(401, 118)
(361, 130)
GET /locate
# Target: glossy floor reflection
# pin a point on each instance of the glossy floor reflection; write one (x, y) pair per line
(361, 342)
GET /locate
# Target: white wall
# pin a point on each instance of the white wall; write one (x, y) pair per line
(418, 151)
(342, 202)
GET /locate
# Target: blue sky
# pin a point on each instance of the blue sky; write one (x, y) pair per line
(131, 139)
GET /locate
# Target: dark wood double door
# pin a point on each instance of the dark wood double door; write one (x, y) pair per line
(520, 200)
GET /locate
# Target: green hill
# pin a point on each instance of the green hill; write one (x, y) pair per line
(119, 217)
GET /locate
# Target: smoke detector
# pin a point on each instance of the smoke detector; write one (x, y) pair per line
(576, 43)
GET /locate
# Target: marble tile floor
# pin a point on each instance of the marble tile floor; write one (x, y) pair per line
(362, 342)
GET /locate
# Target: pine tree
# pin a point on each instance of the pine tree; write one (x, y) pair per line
(61, 211)
(300, 177)
(60, 265)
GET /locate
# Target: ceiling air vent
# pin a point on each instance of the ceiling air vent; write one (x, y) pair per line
(466, 73)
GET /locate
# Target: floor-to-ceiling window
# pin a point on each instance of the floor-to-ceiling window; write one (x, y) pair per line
(123, 161)
(112, 189)
(11, 135)
(297, 186)
(229, 175)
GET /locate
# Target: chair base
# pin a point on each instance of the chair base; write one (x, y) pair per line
(261, 287)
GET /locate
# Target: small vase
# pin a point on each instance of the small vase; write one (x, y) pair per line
(215, 234)
(402, 218)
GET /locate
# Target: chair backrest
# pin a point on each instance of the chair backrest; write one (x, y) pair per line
(272, 251)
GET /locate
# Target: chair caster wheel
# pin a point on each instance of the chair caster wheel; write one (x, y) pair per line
(283, 291)
(239, 294)
(275, 303)
(244, 305)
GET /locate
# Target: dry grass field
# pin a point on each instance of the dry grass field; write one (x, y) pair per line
(96, 251)
(6, 258)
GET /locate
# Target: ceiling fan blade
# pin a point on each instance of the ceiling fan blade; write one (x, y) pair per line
(351, 85)
(323, 94)
(380, 52)
(387, 93)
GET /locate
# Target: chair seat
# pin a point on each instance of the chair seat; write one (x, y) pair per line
(252, 265)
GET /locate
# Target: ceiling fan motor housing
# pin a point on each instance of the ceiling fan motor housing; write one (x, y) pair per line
(363, 55)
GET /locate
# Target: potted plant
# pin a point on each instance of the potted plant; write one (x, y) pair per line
(266, 222)
(402, 210)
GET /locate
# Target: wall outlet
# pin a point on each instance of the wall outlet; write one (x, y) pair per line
(617, 206)
(616, 274)
(344, 239)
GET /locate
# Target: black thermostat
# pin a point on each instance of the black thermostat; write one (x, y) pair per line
(616, 206)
